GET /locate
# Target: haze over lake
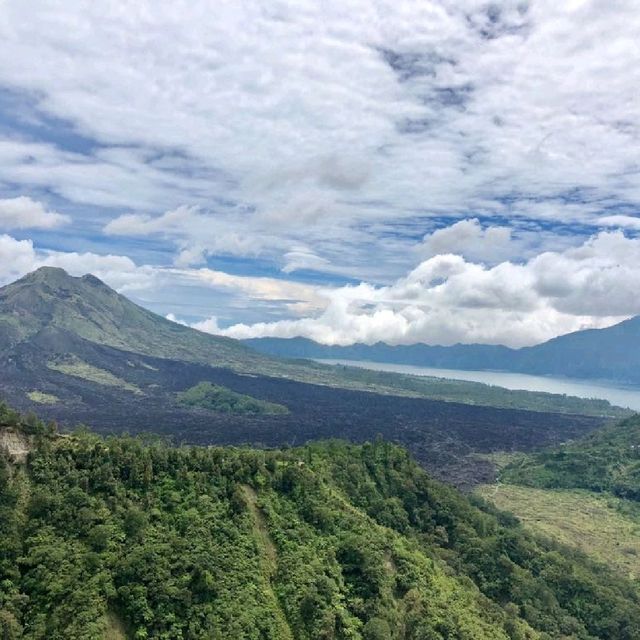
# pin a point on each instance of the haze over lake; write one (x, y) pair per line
(617, 395)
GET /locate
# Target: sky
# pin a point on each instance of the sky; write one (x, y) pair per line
(434, 171)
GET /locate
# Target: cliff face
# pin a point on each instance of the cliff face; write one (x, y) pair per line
(17, 445)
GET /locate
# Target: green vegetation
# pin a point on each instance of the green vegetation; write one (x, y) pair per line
(585, 493)
(42, 398)
(218, 398)
(72, 366)
(598, 524)
(607, 460)
(328, 541)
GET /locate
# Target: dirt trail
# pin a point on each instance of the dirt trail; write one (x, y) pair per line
(268, 553)
(115, 629)
(261, 528)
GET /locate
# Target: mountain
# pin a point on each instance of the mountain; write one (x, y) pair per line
(51, 302)
(475, 356)
(78, 352)
(610, 354)
(67, 321)
(121, 538)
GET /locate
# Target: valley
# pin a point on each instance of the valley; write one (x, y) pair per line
(444, 436)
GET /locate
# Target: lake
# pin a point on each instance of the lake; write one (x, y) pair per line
(621, 396)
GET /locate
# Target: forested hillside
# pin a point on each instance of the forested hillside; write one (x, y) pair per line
(607, 460)
(122, 538)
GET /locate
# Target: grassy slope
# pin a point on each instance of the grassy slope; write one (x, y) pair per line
(607, 460)
(78, 368)
(584, 494)
(599, 525)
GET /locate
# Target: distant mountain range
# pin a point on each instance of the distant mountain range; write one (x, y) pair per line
(597, 354)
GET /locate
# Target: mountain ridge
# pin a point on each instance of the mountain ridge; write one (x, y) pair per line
(612, 354)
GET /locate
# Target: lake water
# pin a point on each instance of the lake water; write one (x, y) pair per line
(618, 395)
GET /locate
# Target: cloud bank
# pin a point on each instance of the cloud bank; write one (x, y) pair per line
(366, 126)
(447, 299)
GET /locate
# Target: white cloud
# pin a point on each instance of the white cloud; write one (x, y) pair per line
(469, 239)
(196, 233)
(293, 295)
(19, 257)
(120, 272)
(25, 213)
(365, 114)
(447, 299)
(623, 221)
(209, 325)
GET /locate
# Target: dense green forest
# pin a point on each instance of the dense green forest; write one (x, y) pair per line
(607, 460)
(126, 538)
(215, 397)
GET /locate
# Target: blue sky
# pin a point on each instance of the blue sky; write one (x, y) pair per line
(428, 171)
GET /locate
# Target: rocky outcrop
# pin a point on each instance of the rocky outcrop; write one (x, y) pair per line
(15, 444)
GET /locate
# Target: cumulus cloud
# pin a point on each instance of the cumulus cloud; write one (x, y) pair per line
(19, 257)
(209, 325)
(25, 213)
(447, 299)
(468, 238)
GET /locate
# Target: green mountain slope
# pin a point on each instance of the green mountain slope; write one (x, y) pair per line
(49, 299)
(118, 538)
(607, 460)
